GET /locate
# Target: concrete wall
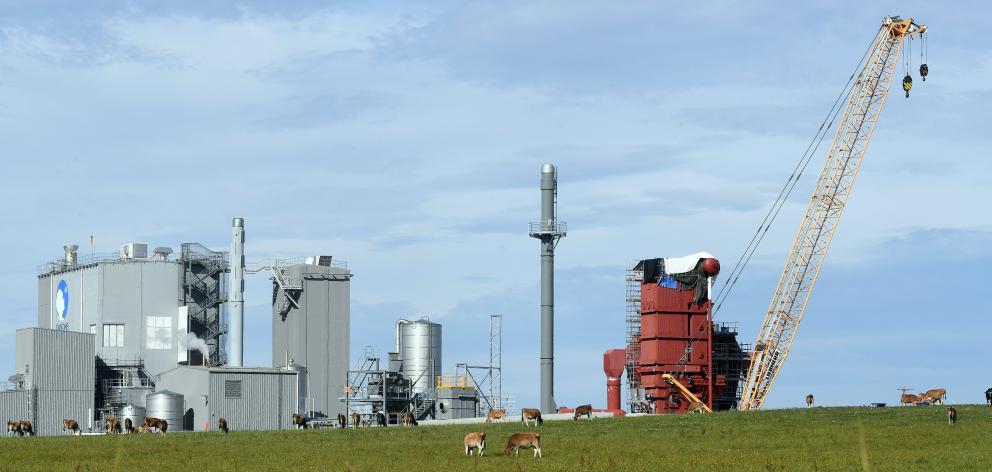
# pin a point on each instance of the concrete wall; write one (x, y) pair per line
(317, 334)
(266, 398)
(125, 292)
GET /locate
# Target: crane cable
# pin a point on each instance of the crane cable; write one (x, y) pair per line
(786, 191)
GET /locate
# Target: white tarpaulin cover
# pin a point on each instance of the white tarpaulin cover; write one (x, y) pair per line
(681, 265)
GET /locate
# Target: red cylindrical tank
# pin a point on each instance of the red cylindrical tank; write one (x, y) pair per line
(613, 365)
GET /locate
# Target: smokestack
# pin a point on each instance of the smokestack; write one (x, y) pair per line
(549, 231)
(236, 297)
(70, 255)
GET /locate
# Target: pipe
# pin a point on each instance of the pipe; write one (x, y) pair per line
(236, 297)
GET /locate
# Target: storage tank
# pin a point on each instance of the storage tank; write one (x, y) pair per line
(136, 414)
(419, 345)
(166, 405)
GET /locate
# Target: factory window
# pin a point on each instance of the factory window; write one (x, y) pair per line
(113, 335)
(232, 389)
(158, 332)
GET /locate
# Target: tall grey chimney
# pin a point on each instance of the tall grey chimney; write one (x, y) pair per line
(549, 230)
(236, 297)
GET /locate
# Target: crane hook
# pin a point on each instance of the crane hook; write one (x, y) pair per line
(923, 71)
(907, 84)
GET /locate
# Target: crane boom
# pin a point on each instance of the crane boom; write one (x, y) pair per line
(854, 131)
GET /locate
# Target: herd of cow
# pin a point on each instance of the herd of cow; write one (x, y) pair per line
(930, 397)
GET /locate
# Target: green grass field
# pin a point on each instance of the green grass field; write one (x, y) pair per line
(908, 438)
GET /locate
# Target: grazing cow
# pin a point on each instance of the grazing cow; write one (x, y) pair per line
(584, 410)
(161, 425)
(128, 426)
(697, 407)
(531, 414)
(409, 419)
(524, 441)
(380, 419)
(113, 425)
(72, 427)
(342, 420)
(222, 425)
(499, 413)
(952, 416)
(988, 396)
(809, 401)
(13, 427)
(356, 419)
(25, 427)
(934, 395)
(908, 399)
(299, 421)
(144, 429)
(475, 441)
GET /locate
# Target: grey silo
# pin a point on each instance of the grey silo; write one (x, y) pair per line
(419, 346)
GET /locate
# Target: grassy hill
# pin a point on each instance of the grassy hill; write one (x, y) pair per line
(906, 438)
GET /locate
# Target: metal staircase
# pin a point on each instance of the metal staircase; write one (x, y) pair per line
(204, 294)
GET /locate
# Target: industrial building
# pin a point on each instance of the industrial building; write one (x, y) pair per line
(311, 313)
(138, 333)
(675, 352)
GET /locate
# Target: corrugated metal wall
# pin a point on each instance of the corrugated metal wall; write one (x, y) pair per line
(267, 400)
(55, 406)
(14, 405)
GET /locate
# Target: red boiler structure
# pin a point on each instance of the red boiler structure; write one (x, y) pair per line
(677, 335)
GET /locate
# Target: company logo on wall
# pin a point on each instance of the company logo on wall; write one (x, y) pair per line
(62, 300)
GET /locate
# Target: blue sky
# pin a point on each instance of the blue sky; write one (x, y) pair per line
(407, 140)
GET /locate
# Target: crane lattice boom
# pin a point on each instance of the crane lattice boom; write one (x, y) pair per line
(834, 185)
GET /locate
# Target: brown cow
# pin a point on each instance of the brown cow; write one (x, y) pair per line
(128, 426)
(342, 420)
(113, 425)
(222, 425)
(72, 427)
(161, 425)
(13, 427)
(143, 429)
(809, 401)
(952, 416)
(934, 395)
(475, 441)
(495, 414)
(584, 410)
(524, 441)
(908, 399)
(299, 421)
(409, 419)
(25, 427)
(531, 414)
(380, 419)
(356, 419)
(697, 407)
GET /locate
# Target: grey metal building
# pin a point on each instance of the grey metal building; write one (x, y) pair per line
(54, 380)
(311, 313)
(249, 398)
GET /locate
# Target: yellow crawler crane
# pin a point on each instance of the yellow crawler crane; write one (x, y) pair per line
(854, 131)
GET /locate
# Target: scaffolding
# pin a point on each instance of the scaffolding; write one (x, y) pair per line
(635, 394)
(371, 389)
(730, 363)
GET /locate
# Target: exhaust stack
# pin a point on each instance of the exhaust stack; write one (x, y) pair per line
(549, 230)
(236, 297)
